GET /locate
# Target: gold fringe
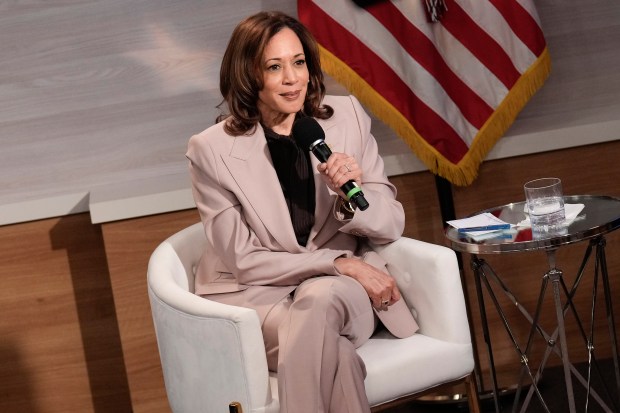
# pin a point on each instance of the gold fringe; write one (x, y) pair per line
(466, 171)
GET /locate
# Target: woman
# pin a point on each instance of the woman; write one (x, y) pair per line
(281, 237)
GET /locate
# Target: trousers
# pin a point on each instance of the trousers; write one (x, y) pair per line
(310, 339)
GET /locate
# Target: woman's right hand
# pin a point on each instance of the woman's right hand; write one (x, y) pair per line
(338, 170)
(380, 286)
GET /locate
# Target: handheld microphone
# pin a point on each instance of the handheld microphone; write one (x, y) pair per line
(309, 135)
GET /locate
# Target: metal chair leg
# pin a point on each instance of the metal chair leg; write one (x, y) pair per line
(235, 407)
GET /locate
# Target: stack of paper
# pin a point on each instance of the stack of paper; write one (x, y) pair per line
(481, 226)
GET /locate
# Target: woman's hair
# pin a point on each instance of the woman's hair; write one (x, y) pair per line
(241, 72)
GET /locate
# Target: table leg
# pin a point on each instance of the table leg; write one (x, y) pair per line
(588, 340)
(611, 322)
(555, 276)
(476, 265)
(534, 327)
(480, 266)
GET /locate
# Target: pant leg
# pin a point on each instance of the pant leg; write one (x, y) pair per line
(319, 370)
(350, 369)
(273, 321)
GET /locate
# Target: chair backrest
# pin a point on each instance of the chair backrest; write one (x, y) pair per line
(188, 245)
(211, 353)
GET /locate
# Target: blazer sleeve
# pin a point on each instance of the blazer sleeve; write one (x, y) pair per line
(384, 220)
(234, 241)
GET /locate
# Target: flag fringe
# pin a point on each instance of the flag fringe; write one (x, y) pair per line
(506, 113)
(466, 171)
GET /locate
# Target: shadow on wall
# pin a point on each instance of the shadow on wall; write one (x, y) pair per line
(16, 393)
(94, 302)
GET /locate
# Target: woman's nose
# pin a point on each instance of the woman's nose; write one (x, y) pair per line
(290, 76)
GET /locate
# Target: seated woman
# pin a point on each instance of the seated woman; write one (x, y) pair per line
(282, 238)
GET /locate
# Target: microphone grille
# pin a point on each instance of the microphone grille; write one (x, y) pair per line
(306, 131)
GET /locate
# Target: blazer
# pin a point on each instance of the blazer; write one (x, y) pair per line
(251, 244)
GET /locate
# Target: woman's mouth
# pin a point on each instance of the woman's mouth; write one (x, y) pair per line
(291, 95)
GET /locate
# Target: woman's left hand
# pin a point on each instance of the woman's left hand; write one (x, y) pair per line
(339, 169)
(380, 286)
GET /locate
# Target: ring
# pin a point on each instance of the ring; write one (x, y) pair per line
(346, 165)
(386, 302)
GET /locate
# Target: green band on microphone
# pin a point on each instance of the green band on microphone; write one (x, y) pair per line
(353, 192)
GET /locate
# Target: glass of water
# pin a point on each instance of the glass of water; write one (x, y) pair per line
(545, 203)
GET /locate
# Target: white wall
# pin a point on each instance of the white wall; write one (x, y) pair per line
(100, 97)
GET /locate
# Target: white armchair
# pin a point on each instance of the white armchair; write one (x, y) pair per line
(213, 354)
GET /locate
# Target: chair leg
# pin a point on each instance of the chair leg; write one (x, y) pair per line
(235, 407)
(472, 393)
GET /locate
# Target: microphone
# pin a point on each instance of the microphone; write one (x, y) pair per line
(309, 135)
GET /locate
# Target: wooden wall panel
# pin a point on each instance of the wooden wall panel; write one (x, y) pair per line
(128, 246)
(60, 350)
(418, 194)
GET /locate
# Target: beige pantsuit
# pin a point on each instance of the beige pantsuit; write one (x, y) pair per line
(328, 319)
(253, 258)
(325, 319)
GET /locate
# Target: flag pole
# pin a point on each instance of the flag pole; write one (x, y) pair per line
(446, 205)
(446, 201)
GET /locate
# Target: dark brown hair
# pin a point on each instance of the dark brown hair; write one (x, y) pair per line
(241, 74)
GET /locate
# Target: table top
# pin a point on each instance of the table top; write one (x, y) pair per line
(600, 215)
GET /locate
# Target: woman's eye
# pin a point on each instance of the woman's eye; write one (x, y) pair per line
(300, 62)
(273, 68)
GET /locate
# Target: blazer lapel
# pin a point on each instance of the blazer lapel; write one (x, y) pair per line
(249, 162)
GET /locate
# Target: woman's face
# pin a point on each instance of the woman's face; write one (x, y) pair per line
(285, 78)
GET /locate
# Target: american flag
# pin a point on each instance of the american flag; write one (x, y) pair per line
(448, 76)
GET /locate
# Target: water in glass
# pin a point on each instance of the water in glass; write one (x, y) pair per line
(547, 211)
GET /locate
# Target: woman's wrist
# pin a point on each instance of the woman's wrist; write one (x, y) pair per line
(341, 265)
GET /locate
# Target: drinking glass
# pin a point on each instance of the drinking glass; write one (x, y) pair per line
(545, 203)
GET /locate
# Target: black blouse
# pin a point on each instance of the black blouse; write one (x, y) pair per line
(294, 170)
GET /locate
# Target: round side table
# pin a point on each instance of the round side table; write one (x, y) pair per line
(600, 215)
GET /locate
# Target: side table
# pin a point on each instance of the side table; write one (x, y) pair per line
(600, 216)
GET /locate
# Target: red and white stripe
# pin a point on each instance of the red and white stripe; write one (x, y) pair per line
(446, 78)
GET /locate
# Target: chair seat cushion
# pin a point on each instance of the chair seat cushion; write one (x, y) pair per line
(394, 371)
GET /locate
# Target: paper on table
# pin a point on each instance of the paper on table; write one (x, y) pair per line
(570, 213)
(480, 220)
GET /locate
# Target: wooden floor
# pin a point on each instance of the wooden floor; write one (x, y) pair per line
(552, 390)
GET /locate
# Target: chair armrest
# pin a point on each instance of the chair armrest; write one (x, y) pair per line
(429, 280)
(199, 338)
